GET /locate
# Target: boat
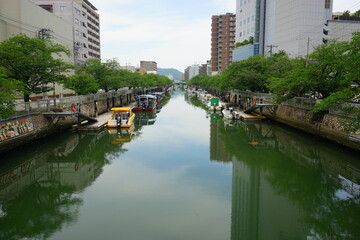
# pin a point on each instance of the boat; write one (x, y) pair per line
(145, 103)
(121, 117)
(159, 96)
(230, 114)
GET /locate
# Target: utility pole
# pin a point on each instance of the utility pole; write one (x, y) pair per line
(271, 48)
(308, 46)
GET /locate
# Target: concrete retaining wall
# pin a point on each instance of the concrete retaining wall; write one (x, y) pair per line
(320, 124)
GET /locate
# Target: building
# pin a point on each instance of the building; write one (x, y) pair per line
(222, 41)
(205, 68)
(192, 71)
(341, 28)
(83, 16)
(23, 16)
(280, 25)
(149, 66)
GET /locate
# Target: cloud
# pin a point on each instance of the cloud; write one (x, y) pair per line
(173, 33)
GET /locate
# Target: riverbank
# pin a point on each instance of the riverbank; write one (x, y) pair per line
(296, 114)
(23, 129)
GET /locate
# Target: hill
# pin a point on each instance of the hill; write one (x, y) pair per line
(166, 71)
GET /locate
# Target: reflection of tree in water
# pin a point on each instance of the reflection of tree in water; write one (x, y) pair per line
(329, 215)
(46, 201)
(299, 170)
(38, 211)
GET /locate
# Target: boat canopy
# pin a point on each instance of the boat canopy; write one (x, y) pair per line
(146, 96)
(121, 109)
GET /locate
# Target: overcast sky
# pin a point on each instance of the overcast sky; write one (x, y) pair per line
(174, 33)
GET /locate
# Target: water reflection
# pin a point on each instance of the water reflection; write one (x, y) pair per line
(173, 180)
(287, 185)
(40, 195)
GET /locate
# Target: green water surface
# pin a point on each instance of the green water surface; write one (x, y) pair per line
(182, 173)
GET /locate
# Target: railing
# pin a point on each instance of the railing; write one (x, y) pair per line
(298, 102)
(43, 105)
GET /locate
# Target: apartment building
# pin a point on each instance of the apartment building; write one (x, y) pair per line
(149, 66)
(280, 25)
(222, 41)
(83, 16)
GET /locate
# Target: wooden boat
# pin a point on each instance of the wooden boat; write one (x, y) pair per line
(121, 117)
(145, 103)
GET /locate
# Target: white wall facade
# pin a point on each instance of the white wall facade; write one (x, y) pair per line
(245, 19)
(193, 70)
(341, 30)
(291, 25)
(295, 26)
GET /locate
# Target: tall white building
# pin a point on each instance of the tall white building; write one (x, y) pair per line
(83, 16)
(290, 25)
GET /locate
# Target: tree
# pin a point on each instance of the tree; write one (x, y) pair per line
(319, 75)
(8, 88)
(346, 13)
(32, 62)
(101, 72)
(82, 84)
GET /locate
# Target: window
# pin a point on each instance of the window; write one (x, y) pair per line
(62, 8)
(77, 11)
(248, 19)
(77, 21)
(327, 4)
(77, 33)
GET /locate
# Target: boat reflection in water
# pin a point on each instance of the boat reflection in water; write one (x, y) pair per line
(121, 135)
(145, 118)
(39, 189)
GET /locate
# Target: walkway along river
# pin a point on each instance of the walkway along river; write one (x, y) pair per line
(183, 173)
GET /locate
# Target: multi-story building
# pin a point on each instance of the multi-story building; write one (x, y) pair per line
(222, 41)
(205, 68)
(149, 66)
(280, 25)
(83, 16)
(341, 28)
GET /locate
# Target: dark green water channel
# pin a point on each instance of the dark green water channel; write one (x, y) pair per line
(182, 174)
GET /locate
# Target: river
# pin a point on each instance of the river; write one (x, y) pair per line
(182, 173)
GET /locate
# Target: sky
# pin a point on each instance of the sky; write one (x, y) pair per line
(173, 33)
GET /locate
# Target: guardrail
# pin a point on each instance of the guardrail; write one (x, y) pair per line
(298, 102)
(43, 105)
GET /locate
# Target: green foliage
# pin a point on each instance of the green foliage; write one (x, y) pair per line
(32, 62)
(346, 13)
(8, 88)
(82, 84)
(356, 14)
(245, 42)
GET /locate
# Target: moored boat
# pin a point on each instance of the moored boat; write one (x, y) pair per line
(121, 117)
(145, 103)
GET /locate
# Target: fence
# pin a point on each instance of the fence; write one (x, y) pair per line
(43, 105)
(299, 102)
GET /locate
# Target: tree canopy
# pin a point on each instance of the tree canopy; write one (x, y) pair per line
(32, 61)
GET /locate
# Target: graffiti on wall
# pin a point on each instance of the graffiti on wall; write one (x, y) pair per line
(15, 128)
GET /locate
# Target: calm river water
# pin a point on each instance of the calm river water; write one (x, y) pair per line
(182, 174)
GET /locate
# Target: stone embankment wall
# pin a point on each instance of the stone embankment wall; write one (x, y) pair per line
(320, 124)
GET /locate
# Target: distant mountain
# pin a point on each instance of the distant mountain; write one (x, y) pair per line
(166, 71)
